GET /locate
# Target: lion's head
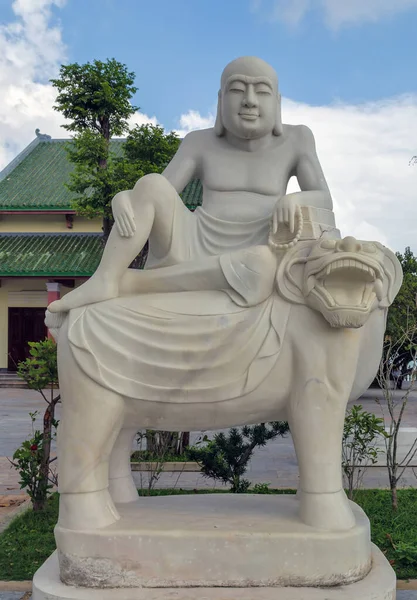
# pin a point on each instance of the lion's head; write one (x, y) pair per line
(343, 279)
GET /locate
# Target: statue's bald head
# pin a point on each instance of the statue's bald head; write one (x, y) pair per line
(251, 66)
(249, 85)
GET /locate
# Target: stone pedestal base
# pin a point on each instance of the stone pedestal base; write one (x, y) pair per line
(219, 540)
(379, 584)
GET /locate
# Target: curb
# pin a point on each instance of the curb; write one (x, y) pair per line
(168, 467)
(407, 584)
(15, 586)
(7, 519)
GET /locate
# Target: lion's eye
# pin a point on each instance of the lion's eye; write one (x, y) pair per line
(328, 244)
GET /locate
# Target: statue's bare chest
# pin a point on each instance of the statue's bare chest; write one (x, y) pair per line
(264, 172)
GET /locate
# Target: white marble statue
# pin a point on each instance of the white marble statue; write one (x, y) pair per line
(251, 309)
(245, 163)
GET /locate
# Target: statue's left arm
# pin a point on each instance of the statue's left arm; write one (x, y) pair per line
(310, 177)
(314, 189)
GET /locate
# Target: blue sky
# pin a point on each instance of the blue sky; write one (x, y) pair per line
(346, 67)
(178, 48)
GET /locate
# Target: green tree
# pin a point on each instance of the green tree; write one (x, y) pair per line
(95, 98)
(33, 458)
(402, 315)
(148, 149)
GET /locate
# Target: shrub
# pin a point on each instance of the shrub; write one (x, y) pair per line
(33, 458)
(226, 456)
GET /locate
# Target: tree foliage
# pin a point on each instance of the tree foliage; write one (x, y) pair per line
(227, 455)
(361, 433)
(96, 99)
(403, 313)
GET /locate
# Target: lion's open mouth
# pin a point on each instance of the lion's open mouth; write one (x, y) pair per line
(347, 283)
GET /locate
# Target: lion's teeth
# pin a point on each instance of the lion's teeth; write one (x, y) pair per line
(378, 287)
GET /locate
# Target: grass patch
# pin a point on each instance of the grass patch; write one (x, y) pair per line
(27, 542)
(29, 539)
(394, 533)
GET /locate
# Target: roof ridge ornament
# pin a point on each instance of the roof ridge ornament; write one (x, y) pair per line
(44, 137)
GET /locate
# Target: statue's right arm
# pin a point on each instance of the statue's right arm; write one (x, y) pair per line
(184, 165)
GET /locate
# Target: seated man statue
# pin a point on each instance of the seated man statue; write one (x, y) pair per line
(244, 163)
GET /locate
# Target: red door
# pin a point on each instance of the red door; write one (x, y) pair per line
(25, 325)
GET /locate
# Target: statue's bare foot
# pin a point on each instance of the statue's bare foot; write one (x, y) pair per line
(96, 289)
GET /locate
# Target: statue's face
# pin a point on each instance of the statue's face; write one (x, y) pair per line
(249, 105)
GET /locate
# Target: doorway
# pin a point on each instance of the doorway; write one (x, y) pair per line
(25, 325)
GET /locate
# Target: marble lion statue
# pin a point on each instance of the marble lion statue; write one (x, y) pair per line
(296, 337)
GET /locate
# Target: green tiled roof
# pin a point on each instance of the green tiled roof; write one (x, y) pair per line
(49, 254)
(38, 181)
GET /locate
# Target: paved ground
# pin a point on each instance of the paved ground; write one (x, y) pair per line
(275, 464)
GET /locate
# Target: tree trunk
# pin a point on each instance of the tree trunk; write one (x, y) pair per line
(106, 227)
(394, 495)
(162, 443)
(39, 503)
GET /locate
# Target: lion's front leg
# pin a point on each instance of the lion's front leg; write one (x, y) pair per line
(316, 415)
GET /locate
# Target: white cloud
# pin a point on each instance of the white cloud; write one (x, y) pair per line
(139, 118)
(192, 120)
(365, 151)
(31, 52)
(335, 12)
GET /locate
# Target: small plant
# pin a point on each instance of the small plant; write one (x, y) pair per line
(226, 457)
(261, 488)
(161, 447)
(33, 458)
(359, 445)
(28, 460)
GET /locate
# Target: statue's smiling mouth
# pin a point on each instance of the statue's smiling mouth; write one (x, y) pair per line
(346, 283)
(248, 116)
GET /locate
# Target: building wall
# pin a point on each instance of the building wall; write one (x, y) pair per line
(30, 292)
(47, 223)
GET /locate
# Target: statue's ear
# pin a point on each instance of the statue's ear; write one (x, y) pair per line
(290, 274)
(278, 130)
(393, 277)
(218, 125)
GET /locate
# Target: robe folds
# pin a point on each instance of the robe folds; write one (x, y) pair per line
(180, 346)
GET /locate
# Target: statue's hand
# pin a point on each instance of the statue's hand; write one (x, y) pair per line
(284, 212)
(123, 214)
